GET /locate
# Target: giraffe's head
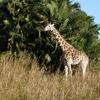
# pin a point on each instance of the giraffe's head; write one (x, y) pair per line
(49, 27)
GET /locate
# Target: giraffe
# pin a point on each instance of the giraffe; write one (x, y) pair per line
(71, 56)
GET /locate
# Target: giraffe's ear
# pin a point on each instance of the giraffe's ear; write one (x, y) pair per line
(52, 24)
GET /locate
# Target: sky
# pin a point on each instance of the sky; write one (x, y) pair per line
(92, 8)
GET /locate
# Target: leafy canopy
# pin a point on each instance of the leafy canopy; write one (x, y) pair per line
(22, 25)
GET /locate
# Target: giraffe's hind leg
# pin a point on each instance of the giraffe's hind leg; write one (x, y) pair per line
(84, 64)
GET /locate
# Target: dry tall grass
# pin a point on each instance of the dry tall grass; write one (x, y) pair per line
(17, 82)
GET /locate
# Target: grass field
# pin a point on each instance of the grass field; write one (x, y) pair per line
(18, 82)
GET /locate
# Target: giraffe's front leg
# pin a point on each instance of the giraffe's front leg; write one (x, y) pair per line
(66, 71)
(66, 67)
(70, 69)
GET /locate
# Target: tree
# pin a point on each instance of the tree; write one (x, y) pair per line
(25, 31)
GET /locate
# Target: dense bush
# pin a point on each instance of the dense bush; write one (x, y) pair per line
(22, 23)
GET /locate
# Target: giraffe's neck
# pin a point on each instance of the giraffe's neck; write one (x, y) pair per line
(63, 44)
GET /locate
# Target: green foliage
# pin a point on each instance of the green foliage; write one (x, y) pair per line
(22, 25)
